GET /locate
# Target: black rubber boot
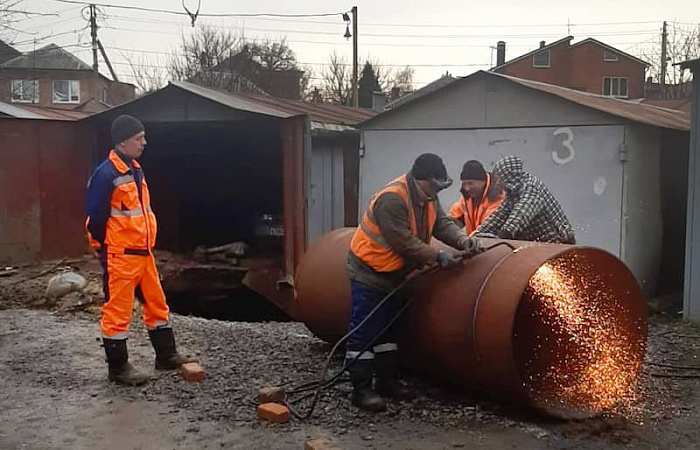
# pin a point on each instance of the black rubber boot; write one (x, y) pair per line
(388, 385)
(120, 370)
(362, 394)
(167, 357)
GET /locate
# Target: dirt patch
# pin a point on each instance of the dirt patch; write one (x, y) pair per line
(55, 393)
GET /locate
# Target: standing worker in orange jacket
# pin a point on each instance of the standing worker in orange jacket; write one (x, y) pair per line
(481, 195)
(393, 240)
(122, 229)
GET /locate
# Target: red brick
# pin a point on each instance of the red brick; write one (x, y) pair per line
(319, 444)
(192, 372)
(274, 412)
(270, 395)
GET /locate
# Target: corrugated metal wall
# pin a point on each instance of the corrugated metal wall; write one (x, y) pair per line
(44, 167)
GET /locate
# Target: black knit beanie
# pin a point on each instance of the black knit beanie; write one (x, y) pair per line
(427, 166)
(473, 170)
(124, 127)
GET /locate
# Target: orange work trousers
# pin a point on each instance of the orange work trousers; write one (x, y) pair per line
(127, 275)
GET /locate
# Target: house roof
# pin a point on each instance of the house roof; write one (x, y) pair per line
(268, 105)
(692, 64)
(537, 50)
(49, 57)
(425, 90)
(681, 104)
(38, 112)
(7, 52)
(611, 48)
(626, 109)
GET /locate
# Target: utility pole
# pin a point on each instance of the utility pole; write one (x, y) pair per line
(93, 34)
(662, 75)
(355, 95)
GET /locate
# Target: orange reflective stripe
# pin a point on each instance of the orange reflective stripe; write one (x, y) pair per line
(369, 245)
(132, 223)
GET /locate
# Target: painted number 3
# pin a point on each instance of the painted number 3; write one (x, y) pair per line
(566, 154)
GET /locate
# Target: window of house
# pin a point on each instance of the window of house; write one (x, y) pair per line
(615, 87)
(609, 56)
(541, 59)
(66, 91)
(25, 91)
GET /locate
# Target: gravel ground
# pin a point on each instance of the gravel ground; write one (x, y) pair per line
(55, 393)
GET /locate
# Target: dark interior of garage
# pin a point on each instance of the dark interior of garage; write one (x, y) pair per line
(215, 183)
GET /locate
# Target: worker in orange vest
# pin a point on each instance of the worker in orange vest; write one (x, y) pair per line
(122, 229)
(481, 195)
(393, 240)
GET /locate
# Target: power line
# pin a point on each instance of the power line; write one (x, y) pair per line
(29, 13)
(310, 63)
(182, 13)
(278, 15)
(416, 36)
(43, 38)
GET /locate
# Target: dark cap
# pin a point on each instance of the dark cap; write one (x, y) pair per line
(428, 166)
(473, 170)
(124, 127)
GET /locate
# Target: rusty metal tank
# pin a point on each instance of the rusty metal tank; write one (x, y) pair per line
(562, 328)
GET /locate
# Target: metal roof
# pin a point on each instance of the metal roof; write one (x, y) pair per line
(48, 57)
(10, 110)
(38, 112)
(630, 110)
(279, 107)
(425, 90)
(636, 112)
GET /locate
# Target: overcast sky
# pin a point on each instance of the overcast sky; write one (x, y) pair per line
(433, 36)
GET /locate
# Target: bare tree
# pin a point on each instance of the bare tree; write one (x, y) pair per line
(273, 55)
(683, 43)
(205, 56)
(10, 15)
(403, 80)
(336, 81)
(148, 77)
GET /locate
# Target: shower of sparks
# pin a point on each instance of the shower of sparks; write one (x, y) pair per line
(588, 359)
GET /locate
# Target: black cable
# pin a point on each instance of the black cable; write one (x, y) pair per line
(322, 384)
(182, 13)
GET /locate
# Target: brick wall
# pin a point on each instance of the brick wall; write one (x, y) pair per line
(91, 86)
(580, 67)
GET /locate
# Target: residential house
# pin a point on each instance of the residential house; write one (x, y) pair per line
(589, 66)
(281, 82)
(51, 77)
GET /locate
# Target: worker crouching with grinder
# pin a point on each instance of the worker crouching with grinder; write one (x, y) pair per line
(392, 241)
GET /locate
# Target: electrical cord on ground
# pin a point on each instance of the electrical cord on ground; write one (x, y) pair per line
(318, 386)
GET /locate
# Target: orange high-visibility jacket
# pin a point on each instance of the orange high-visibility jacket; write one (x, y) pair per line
(119, 213)
(473, 216)
(367, 242)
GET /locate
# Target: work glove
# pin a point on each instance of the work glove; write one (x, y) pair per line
(471, 247)
(447, 260)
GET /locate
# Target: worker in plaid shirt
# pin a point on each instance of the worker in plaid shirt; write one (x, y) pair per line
(530, 212)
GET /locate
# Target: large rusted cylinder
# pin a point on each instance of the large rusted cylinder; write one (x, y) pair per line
(560, 327)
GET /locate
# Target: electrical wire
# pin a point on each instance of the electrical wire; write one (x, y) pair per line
(182, 13)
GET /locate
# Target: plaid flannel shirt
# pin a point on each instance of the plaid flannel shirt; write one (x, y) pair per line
(530, 212)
